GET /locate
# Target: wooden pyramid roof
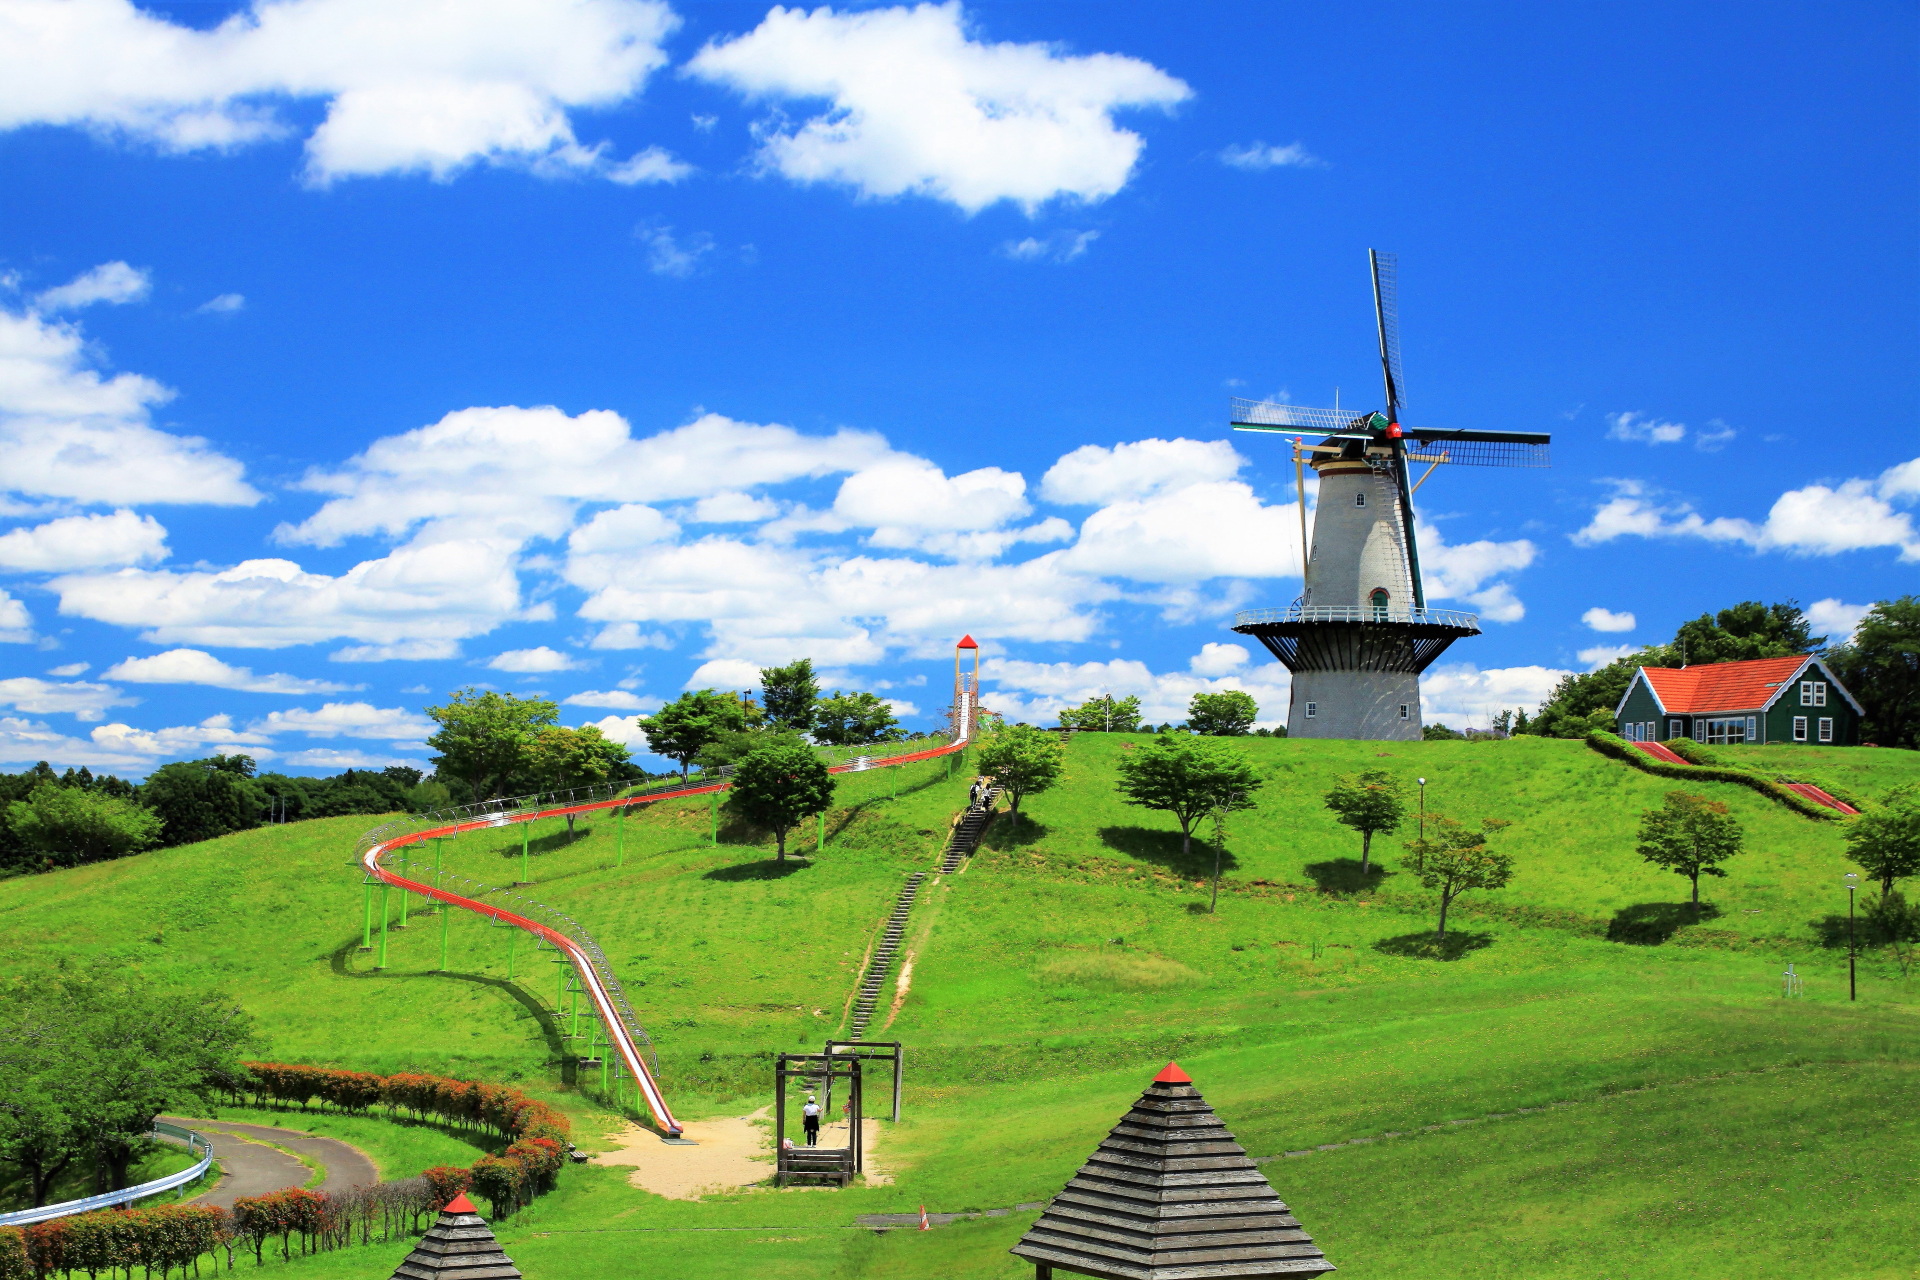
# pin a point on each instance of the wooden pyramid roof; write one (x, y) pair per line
(1171, 1196)
(460, 1246)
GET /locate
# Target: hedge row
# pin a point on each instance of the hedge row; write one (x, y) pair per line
(498, 1107)
(164, 1237)
(1693, 753)
(1620, 749)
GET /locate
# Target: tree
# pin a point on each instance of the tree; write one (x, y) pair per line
(1440, 733)
(1880, 666)
(1104, 714)
(1370, 803)
(560, 757)
(790, 694)
(848, 719)
(1885, 842)
(690, 723)
(1586, 700)
(1453, 858)
(1745, 631)
(1188, 777)
(1894, 923)
(1228, 714)
(484, 736)
(66, 826)
(1022, 761)
(201, 799)
(1690, 835)
(777, 786)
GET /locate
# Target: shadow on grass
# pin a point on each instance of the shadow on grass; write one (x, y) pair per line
(1004, 834)
(1343, 875)
(1648, 924)
(1162, 848)
(1425, 946)
(764, 869)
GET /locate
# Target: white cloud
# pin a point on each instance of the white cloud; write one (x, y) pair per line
(909, 502)
(68, 432)
(725, 673)
(1601, 654)
(1061, 246)
(223, 305)
(416, 602)
(121, 746)
(1215, 659)
(1260, 155)
(1601, 619)
(624, 730)
(1053, 686)
(733, 507)
(80, 699)
(618, 699)
(917, 108)
(1463, 572)
(1818, 519)
(525, 661)
(1094, 474)
(668, 255)
(408, 86)
(114, 283)
(84, 542)
(627, 635)
(1638, 427)
(1205, 530)
(522, 473)
(16, 624)
(70, 670)
(1837, 619)
(1461, 696)
(333, 758)
(345, 719)
(196, 666)
(398, 651)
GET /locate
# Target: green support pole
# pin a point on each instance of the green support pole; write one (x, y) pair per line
(366, 928)
(713, 812)
(404, 898)
(621, 859)
(576, 1015)
(605, 1061)
(384, 886)
(446, 919)
(511, 939)
(526, 834)
(820, 845)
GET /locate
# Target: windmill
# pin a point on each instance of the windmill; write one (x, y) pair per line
(1360, 634)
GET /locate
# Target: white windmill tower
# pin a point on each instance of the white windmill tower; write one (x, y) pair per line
(1360, 634)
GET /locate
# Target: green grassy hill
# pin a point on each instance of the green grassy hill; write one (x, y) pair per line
(1617, 1091)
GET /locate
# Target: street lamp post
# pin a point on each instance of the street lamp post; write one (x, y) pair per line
(1853, 989)
(1423, 807)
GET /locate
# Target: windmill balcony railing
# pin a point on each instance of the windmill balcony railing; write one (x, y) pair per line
(1357, 613)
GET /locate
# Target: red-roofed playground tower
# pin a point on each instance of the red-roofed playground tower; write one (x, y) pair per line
(966, 688)
(1360, 634)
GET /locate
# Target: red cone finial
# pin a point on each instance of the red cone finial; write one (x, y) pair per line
(966, 642)
(1172, 1074)
(460, 1204)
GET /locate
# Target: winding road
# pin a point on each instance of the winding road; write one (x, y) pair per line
(252, 1167)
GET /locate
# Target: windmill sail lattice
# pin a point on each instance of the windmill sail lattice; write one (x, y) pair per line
(1170, 1195)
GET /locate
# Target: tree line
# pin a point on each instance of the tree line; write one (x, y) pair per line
(1229, 713)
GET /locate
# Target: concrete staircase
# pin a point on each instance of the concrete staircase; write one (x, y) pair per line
(966, 834)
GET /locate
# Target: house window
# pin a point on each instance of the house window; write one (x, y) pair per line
(1359, 499)
(1313, 709)
(1753, 728)
(1403, 712)
(1813, 693)
(1676, 728)
(1729, 731)
(1799, 728)
(1699, 730)
(1826, 728)
(1379, 602)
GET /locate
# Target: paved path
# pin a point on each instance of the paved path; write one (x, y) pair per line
(253, 1168)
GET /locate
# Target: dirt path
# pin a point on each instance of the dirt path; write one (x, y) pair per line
(734, 1152)
(253, 1168)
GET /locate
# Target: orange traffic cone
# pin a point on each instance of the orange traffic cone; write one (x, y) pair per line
(924, 1224)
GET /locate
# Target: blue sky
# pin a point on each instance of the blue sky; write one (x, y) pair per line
(352, 352)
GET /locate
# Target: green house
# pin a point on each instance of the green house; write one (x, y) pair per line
(1794, 699)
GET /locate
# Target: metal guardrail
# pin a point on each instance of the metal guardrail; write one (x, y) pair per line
(66, 1208)
(1357, 613)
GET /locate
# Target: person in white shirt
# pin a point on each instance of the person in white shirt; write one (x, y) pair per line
(810, 1120)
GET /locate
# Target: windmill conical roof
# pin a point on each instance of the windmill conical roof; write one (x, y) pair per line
(459, 1246)
(1169, 1195)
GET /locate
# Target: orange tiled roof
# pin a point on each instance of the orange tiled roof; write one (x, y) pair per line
(1721, 686)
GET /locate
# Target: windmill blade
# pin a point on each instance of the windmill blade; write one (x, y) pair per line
(1386, 315)
(1482, 448)
(1271, 415)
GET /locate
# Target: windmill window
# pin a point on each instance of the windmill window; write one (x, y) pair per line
(1379, 601)
(1799, 728)
(1826, 728)
(1359, 499)
(1403, 712)
(1313, 709)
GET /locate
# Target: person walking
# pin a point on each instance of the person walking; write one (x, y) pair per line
(973, 800)
(810, 1121)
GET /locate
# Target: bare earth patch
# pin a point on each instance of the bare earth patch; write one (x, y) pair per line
(734, 1152)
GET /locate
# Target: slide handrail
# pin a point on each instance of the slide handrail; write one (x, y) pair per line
(196, 1142)
(562, 931)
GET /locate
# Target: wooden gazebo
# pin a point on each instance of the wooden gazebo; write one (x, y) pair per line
(459, 1246)
(1170, 1195)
